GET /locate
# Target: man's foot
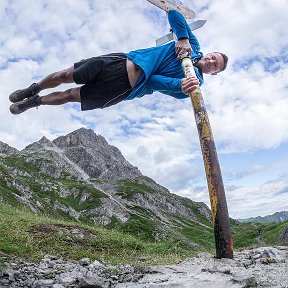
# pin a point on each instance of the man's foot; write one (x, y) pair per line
(22, 106)
(20, 95)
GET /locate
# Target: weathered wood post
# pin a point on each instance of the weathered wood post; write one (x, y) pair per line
(220, 217)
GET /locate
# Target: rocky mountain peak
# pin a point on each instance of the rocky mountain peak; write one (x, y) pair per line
(95, 156)
(6, 149)
(43, 143)
(81, 137)
(90, 152)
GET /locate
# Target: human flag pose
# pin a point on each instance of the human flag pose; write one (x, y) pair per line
(109, 79)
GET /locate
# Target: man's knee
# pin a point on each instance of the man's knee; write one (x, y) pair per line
(65, 76)
(73, 94)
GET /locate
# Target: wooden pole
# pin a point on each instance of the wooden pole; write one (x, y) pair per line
(220, 217)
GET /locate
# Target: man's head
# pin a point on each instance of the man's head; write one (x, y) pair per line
(213, 63)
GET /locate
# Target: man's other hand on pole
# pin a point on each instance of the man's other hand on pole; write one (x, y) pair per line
(188, 85)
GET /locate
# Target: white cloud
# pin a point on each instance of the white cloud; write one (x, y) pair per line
(248, 201)
(262, 199)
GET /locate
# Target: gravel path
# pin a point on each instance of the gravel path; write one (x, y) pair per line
(261, 267)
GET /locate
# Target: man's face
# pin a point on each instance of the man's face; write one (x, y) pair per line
(211, 63)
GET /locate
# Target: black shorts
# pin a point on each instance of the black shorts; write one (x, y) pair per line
(105, 80)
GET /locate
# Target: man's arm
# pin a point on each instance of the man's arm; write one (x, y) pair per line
(178, 88)
(184, 35)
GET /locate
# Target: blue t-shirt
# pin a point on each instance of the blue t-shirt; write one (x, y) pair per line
(161, 70)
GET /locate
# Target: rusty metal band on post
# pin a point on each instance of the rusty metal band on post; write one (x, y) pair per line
(220, 217)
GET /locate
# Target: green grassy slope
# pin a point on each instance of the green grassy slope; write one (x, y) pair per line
(26, 234)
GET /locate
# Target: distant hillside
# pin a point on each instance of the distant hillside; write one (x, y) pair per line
(277, 217)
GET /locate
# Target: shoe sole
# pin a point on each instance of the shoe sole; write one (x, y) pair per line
(14, 109)
(21, 94)
(15, 98)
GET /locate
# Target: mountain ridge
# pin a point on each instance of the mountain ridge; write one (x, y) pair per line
(70, 146)
(277, 217)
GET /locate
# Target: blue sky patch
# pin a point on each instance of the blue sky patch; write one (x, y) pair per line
(270, 64)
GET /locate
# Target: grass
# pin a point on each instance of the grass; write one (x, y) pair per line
(7, 195)
(128, 189)
(140, 227)
(270, 232)
(25, 234)
(20, 163)
(48, 197)
(246, 235)
(188, 203)
(202, 236)
(80, 189)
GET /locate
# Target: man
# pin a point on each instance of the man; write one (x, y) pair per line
(110, 79)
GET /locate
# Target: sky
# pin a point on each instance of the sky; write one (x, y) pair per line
(247, 104)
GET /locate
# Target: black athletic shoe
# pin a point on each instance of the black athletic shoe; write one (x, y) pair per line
(22, 106)
(20, 95)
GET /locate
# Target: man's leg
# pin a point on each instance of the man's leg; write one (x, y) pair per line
(57, 78)
(50, 81)
(59, 98)
(54, 98)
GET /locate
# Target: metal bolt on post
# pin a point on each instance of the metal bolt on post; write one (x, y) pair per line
(220, 217)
